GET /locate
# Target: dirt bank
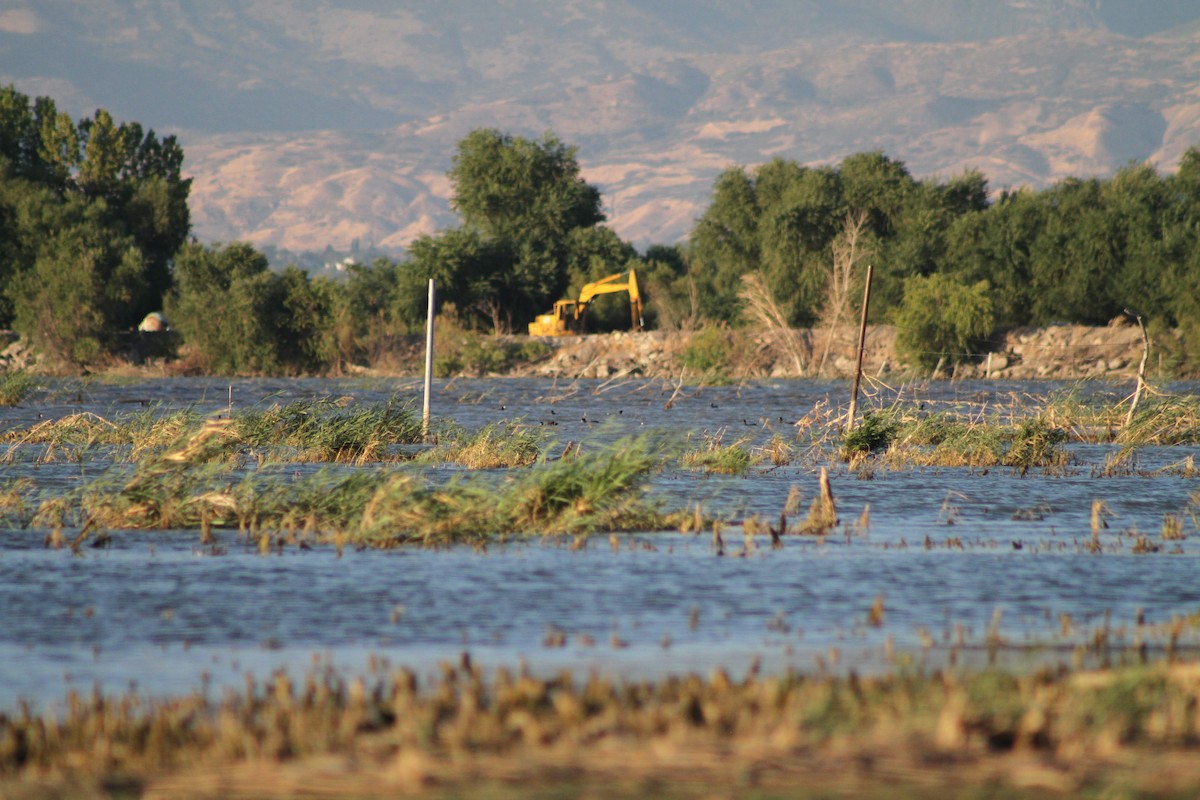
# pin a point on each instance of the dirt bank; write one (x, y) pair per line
(1064, 352)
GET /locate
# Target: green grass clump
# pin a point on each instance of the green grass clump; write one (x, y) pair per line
(70, 437)
(465, 352)
(304, 430)
(715, 457)
(324, 430)
(1035, 443)
(952, 440)
(582, 493)
(707, 351)
(496, 445)
(15, 497)
(15, 386)
(875, 432)
(599, 491)
(168, 488)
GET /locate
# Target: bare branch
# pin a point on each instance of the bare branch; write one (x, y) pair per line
(760, 306)
(848, 252)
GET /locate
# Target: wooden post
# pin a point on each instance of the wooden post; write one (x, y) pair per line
(428, 358)
(862, 346)
(1141, 376)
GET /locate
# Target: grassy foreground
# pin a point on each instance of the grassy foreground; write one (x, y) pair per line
(1127, 732)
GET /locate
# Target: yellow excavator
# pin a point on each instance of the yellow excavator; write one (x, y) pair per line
(568, 315)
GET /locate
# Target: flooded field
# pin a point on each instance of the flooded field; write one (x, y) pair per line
(930, 566)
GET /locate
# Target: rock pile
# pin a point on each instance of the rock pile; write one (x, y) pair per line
(1064, 352)
(648, 353)
(1067, 351)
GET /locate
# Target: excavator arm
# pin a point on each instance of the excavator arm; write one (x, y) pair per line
(621, 282)
(566, 317)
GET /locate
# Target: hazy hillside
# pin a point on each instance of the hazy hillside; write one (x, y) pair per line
(307, 124)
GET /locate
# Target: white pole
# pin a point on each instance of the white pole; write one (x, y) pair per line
(428, 358)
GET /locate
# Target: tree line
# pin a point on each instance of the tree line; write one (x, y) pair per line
(95, 233)
(1082, 251)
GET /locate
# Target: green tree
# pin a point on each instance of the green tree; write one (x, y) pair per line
(594, 253)
(1074, 259)
(219, 325)
(520, 201)
(1179, 281)
(518, 190)
(374, 306)
(941, 318)
(671, 297)
(801, 213)
(154, 206)
(56, 148)
(1141, 211)
(724, 244)
(105, 145)
(238, 318)
(131, 182)
(996, 245)
(476, 273)
(83, 276)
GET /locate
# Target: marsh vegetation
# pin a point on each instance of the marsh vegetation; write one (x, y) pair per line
(994, 583)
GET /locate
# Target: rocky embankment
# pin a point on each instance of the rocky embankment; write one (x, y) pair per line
(1064, 352)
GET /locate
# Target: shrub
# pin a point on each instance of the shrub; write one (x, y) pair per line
(941, 318)
(374, 308)
(240, 318)
(75, 296)
(496, 445)
(707, 352)
(532, 351)
(460, 351)
(15, 386)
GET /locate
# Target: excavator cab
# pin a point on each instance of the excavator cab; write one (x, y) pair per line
(559, 322)
(567, 318)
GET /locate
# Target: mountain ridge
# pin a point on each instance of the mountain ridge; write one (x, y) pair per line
(307, 126)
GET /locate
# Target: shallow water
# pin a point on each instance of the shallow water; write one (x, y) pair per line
(956, 554)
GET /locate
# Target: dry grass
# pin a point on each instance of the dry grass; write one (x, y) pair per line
(1164, 420)
(497, 445)
(822, 514)
(320, 430)
(1128, 730)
